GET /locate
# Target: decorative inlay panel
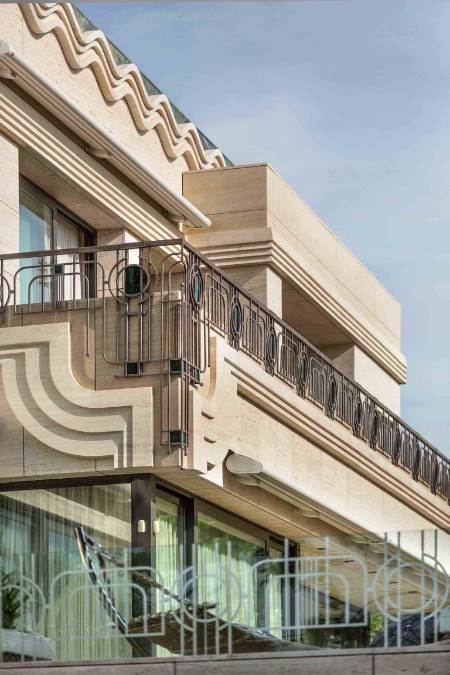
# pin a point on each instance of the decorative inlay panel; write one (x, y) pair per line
(54, 408)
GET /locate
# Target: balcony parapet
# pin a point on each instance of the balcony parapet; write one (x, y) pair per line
(390, 590)
(197, 297)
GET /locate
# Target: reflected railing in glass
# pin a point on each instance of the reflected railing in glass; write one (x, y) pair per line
(361, 591)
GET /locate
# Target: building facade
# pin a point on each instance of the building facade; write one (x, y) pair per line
(200, 435)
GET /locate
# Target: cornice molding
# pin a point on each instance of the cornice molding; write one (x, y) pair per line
(270, 252)
(91, 49)
(299, 414)
(27, 128)
(392, 361)
(218, 411)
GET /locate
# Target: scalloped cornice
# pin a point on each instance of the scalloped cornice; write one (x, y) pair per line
(91, 49)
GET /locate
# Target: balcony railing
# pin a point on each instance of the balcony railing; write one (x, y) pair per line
(196, 297)
(222, 597)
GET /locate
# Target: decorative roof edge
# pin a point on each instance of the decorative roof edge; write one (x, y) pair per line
(117, 82)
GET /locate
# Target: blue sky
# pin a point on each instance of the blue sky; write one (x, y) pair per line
(349, 101)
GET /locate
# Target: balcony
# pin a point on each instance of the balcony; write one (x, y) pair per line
(87, 602)
(149, 309)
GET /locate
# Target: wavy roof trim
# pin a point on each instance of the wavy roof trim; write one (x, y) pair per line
(118, 79)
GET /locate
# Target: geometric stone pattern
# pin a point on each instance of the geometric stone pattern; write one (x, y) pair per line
(54, 408)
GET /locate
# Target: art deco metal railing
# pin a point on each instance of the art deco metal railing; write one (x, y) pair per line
(219, 598)
(123, 283)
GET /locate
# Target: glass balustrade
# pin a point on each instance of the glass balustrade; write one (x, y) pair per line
(89, 599)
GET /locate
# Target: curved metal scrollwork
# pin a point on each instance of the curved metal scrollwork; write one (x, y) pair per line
(417, 461)
(236, 318)
(409, 590)
(303, 372)
(189, 296)
(5, 293)
(398, 444)
(128, 281)
(332, 395)
(358, 415)
(137, 280)
(196, 286)
(435, 475)
(374, 428)
(271, 347)
(131, 286)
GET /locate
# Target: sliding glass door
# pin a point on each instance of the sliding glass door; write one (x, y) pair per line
(226, 556)
(39, 553)
(71, 281)
(44, 225)
(158, 571)
(35, 234)
(169, 553)
(169, 559)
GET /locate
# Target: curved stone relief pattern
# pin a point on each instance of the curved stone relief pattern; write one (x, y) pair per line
(91, 49)
(56, 410)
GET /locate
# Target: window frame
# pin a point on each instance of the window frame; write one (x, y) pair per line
(145, 488)
(56, 207)
(200, 505)
(57, 210)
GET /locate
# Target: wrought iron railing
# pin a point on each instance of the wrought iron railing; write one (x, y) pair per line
(196, 297)
(222, 597)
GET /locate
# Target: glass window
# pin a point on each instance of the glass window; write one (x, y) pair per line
(43, 225)
(67, 233)
(103, 510)
(35, 224)
(226, 556)
(38, 547)
(35, 234)
(168, 555)
(208, 560)
(72, 277)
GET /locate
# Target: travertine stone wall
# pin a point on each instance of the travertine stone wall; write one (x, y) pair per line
(9, 201)
(80, 415)
(243, 409)
(53, 422)
(90, 359)
(263, 283)
(48, 36)
(355, 363)
(50, 424)
(432, 659)
(9, 195)
(68, 173)
(286, 452)
(107, 259)
(258, 220)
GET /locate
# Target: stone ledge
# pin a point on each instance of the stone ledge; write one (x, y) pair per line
(434, 659)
